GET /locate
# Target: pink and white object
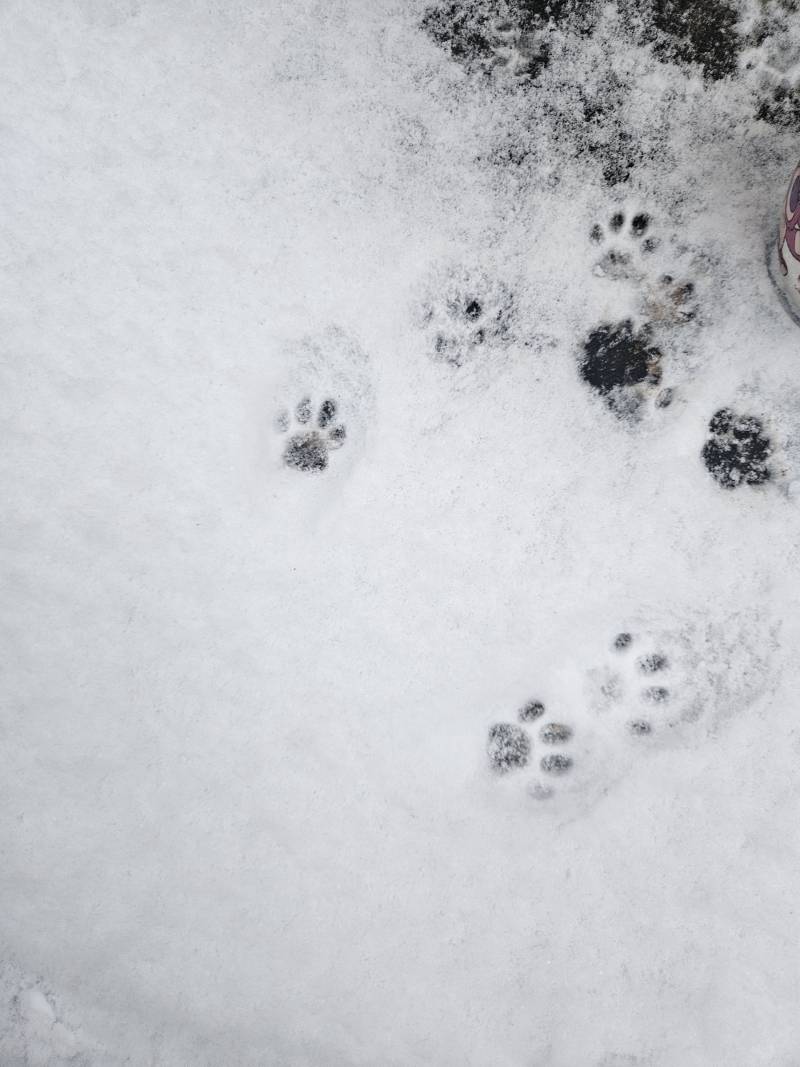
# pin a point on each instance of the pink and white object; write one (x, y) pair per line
(788, 276)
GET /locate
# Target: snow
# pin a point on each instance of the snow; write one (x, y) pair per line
(249, 813)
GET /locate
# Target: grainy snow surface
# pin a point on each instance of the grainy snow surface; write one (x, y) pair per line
(356, 389)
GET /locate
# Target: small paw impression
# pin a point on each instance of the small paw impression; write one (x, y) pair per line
(623, 366)
(622, 241)
(737, 450)
(465, 314)
(627, 245)
(649, 684)
(313, 433)
(657, 682)
(511, 747)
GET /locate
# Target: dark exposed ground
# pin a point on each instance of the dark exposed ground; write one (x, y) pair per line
(680, 31)
(704, 32)
(517, 38)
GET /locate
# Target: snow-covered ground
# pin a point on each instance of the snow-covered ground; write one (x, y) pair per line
(310, 479)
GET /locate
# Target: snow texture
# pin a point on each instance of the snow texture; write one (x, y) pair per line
(394, 675)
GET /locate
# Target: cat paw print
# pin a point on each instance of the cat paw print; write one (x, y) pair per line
(624, 366)
(643, 680)
(631, 250)
(737, 450)
(466, 314)
(623, 241)
(313, 432)
(545, 746)
(656, 680)
(322, 409)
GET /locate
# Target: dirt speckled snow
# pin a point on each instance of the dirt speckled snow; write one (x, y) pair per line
(401, 528)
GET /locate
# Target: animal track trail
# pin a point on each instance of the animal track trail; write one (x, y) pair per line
(633, 364)
(652, 688)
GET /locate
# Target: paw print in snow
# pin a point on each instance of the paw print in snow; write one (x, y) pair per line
(510, 747)
(467, 313)
(737, 450)
(623, 242)
(623, 365)
(316, 433)
(643, 668)
(655, 687)
(630, 251)
(655, 680)
(321, 399)
(646, 686)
